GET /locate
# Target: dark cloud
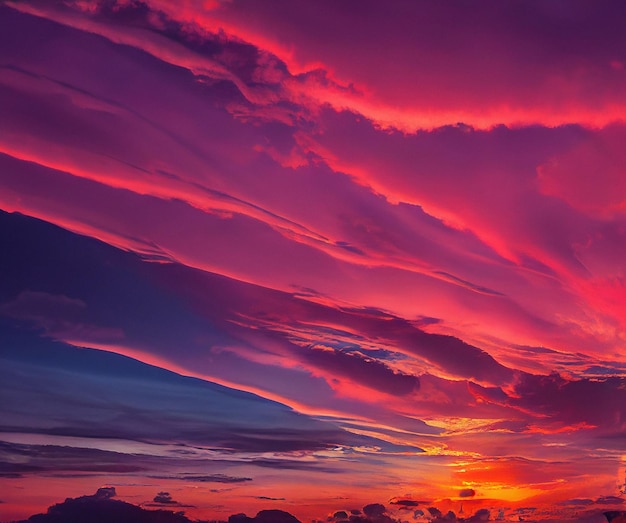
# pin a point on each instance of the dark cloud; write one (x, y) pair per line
(365, 371)
(105, 493)
(165, 499)
(609, 500)
(598, 402)
(101, 508)
(467, 493)
(448, 517)
(265, 516)
(374, 510)
(98, 509)
(206, 478)
(448, 352)
(291, 464)
(470, 285)
(559, 401)
(407, 502)
(375, 513)
(577, 501)
(434, 512)
(480, 516)
(351, 248)
(17, 459)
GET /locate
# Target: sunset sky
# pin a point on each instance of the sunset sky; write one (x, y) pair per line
(314, 254)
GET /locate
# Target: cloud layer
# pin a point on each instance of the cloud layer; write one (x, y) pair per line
(375, 241)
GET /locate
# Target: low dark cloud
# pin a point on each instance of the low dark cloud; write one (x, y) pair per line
(480, 516)
(102, 509)
(407, 502)
(105, 493)
(467, 493)
(577, 501)
(375, 513)
(265, 516)
(164, 499)
(434, 512)
(609, 500)
(374, 509)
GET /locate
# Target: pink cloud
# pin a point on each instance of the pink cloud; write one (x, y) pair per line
(450, 64)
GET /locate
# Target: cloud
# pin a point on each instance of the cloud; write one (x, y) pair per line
(150, 404)
(41, 305)
(611, 515)
(577, 501)
(406, 502)
(105, 493)
(609, 500)
(206, 478)
(287, 464)
(258, 197)
(368, 372)
(164, 499)
(482, 514)
(569, 249)
(59, 316)
(428, 195)
(453, 271)
(19, 460)
(500, 78)
(98, 509)
(265, 516)
(597, 402)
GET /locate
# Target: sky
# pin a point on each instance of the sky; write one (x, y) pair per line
(309, 255)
